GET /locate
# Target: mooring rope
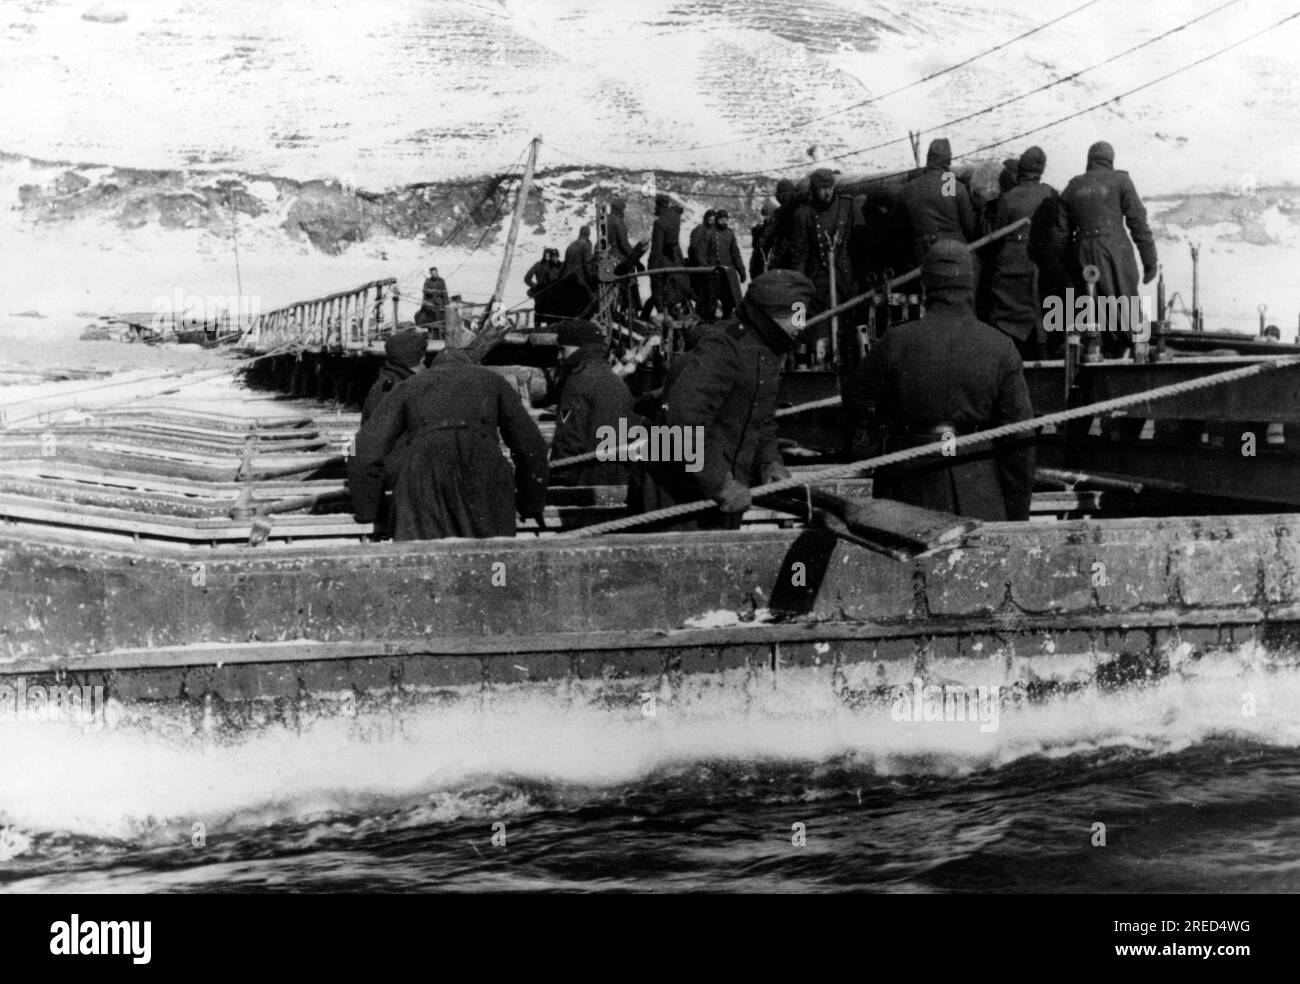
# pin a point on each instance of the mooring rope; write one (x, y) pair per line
(946, 445)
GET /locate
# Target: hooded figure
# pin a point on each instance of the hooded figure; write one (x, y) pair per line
(666, 251)
(947, 374)
(589, 396)
(1015, 304)
(935, 205)
(455, 482)
(726, 391)
(1098, 204)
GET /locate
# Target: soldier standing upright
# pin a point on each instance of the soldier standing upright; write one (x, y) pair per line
(828, 234)
(759, 254)
(701, 251)
(780, 234)
(1015, 304)
(935, 205)
(1098, 204)
(666, 251)
(542, 281)
(726, 254)
(578, 274)
(947, 374)
(433, 307)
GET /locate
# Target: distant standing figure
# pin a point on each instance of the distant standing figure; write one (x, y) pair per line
(578, 274)
(433, 309)
(935, 205)
(1015, 305)
(780, 234)
(666, 251)
(1098, 204)
(758, 254)
(726, 253)
(624, 255)
(541, 280)
(828, 233)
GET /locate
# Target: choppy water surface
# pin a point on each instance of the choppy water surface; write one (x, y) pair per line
(708, 794)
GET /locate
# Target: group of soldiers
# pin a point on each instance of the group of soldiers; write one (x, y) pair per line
(433, 438)
(847, 247)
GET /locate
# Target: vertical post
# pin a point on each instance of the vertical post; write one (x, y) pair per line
(1157, 350)
(396, 297)
(489, 331)
(835, 318)
(1196, 287)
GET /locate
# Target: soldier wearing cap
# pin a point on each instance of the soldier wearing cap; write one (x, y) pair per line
(1098, 204)
(780, 233)
(1015, 293)
(589, 396)
(943, 376)
(666, 251)
(433, 307)
(828, 232)
(578, 274)
(404, 351)
(542, 281)
(701, 251)
(935, 205)
(726, 254)
(727, 388)
(760, 255)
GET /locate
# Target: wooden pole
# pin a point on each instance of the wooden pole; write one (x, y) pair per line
(489, 332)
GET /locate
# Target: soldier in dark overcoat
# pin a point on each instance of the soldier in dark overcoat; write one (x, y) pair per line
(947, 374)
(455, 481)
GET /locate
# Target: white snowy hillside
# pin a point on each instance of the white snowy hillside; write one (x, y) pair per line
(397, 91)
(144, 141)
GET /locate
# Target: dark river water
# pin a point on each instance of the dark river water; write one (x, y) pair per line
(783, 789)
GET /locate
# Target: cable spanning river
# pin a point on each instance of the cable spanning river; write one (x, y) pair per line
(732, 785)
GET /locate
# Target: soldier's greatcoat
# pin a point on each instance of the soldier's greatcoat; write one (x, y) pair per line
(454, 481)
(949, 370)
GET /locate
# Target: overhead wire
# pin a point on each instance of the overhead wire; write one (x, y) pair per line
(874, 99)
